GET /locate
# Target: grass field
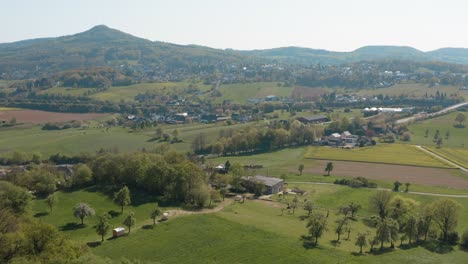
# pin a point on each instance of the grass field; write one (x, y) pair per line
(412, 90)
(128, 93)
(71, 141)
(381, 153)
(9, 108)
(241, 92)
(457, 136)
(457, 155)
(78, 140)
(252, 232)
(67, 91)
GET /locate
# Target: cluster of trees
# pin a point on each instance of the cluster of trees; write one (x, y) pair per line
(397, 219)
(404, 219)
(61, 126)
(170, 176)
(25, 239)
(252, 139)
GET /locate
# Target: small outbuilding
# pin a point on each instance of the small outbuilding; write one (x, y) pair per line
(117, 232)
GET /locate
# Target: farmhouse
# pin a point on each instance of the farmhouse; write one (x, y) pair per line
(312, 119)
(272, 185)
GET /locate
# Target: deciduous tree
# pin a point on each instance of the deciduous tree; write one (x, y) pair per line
(82, 211)
(129, 221)
(122, 197)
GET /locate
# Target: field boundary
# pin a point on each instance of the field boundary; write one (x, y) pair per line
(385, 189)
(444, 158)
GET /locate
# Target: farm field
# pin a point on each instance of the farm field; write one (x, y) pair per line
(450, 178)
(381, 153)
(457, 155)
(38, 117)
(239, 93)
(240, 227)
(457, 136)
(128, 93)
(67, 91)
(71, 141)
(412, 90)
(94, 137)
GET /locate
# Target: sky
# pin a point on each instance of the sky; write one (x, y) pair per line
(342, 25)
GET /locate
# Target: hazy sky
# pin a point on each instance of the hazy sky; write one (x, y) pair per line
(249, 24)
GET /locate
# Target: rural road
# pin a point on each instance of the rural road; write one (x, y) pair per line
(442, 158)
(417, 193)
(443, 111)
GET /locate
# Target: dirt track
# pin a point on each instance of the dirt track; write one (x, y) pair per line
(412, 174)
(37, 117)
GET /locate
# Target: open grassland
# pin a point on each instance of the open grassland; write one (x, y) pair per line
(62, 217)
(38, 117)
(250, 232)
(128, 93)
(94, 137)
(8, 108)
(412, 90)
(381, 153)
(71, 141)
(67, 91)
(286, 162)
(274, 163)
(457, 155)
(457, 136)
(240, 92)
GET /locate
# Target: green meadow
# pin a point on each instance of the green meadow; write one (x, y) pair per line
(250, 232)
(381, 153)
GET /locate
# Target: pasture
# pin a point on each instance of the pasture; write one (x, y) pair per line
(128, 93)
(40, 117)
(412, 90)
(457, 136)
(381, 153)
(250, 232)
(239, 93)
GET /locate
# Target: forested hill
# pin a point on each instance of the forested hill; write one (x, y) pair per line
(367, 53)
(103, 46)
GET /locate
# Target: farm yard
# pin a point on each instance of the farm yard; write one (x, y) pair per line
(40, 117)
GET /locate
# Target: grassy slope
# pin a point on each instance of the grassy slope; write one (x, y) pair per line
(241, 92)
(128, 93)
(71, 141)
(458, 136)
(381, 153)
(253, 232)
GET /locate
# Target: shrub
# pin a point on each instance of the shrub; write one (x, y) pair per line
(453, 238)
(464, 240)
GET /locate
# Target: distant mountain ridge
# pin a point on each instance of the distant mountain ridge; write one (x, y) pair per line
(104, 46)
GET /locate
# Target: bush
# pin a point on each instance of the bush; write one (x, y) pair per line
(453, 238)
(464, 240)
(357, 182)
